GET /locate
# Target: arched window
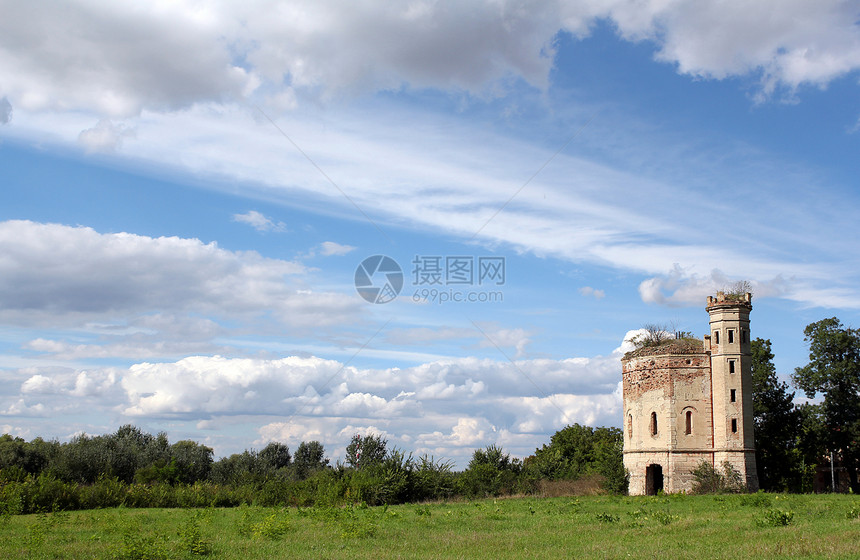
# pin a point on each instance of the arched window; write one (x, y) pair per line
(630, 426)
(653, 423)
(688, 429)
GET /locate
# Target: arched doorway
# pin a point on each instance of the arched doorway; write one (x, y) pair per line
(653, 479)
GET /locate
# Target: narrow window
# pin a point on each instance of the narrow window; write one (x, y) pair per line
(745, 336)
(734, 425)
(731, 336)
(716, 337)
(653, 423)
(732, 395)
(689, 428)
(630, 426)
(731, 366)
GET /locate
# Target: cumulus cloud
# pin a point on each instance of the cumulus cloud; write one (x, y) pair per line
(104, 137)
(786, 44)
(63, 274)
(446, 404)
(119, 59)
(259, 222)
(116, 59)
(444, 407)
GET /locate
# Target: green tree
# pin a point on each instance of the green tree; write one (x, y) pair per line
(777, 423)
(366, 451)
(491, 472)
(275, 456)
(834, 372)
(193, 461)
(310, 457)
(577, 450)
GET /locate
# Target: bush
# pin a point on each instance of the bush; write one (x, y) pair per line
(46, 493)
(105, 493)
(776, 518)
(710, 481)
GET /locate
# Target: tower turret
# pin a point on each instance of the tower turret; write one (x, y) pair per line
(731, 383)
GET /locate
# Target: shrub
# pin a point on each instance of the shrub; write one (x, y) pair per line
(433, 480)
(710, 481)
(775, 518)
(141, 547)
(107, 492)
(191, 538)
(46, 493)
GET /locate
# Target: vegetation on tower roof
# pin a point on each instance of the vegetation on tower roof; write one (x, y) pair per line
(664, 339)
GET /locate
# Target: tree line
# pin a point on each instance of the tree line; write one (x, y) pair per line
(793, 441)
(138, 469)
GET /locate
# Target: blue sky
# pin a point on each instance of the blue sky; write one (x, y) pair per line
(187, 193)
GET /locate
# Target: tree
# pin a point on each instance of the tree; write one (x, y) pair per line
(777, 422)
(577, 450)
(275, 456)
(310, 457)
(491, 472)
(654, 335)
(365, 451)
(193, 460)
(834, 371)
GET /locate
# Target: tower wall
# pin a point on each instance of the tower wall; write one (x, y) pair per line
(669, 385)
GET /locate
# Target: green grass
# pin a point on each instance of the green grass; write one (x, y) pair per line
(712, 527)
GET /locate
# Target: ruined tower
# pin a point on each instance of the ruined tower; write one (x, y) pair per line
(689, 400)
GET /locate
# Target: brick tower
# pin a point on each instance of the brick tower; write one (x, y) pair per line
(688, 401)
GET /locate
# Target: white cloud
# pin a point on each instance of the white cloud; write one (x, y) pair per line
(506, 338)
(38, 384)
(446, 407)
(104, 137)
(330, 248)
(259, 222)
(588, 291)
(21, 408)
(680, 287)
(59, 274)
(85, 55)
(116, 59)
(786, 43)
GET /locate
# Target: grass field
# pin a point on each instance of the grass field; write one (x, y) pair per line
(670, 527)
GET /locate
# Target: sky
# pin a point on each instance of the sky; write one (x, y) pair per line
(437, 221)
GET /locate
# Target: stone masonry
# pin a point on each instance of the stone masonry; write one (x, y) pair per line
(688, 401)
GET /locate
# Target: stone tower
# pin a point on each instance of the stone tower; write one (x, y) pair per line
(731, 382)
(688, 401)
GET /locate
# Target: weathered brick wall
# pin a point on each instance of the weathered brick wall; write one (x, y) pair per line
(669, 385)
